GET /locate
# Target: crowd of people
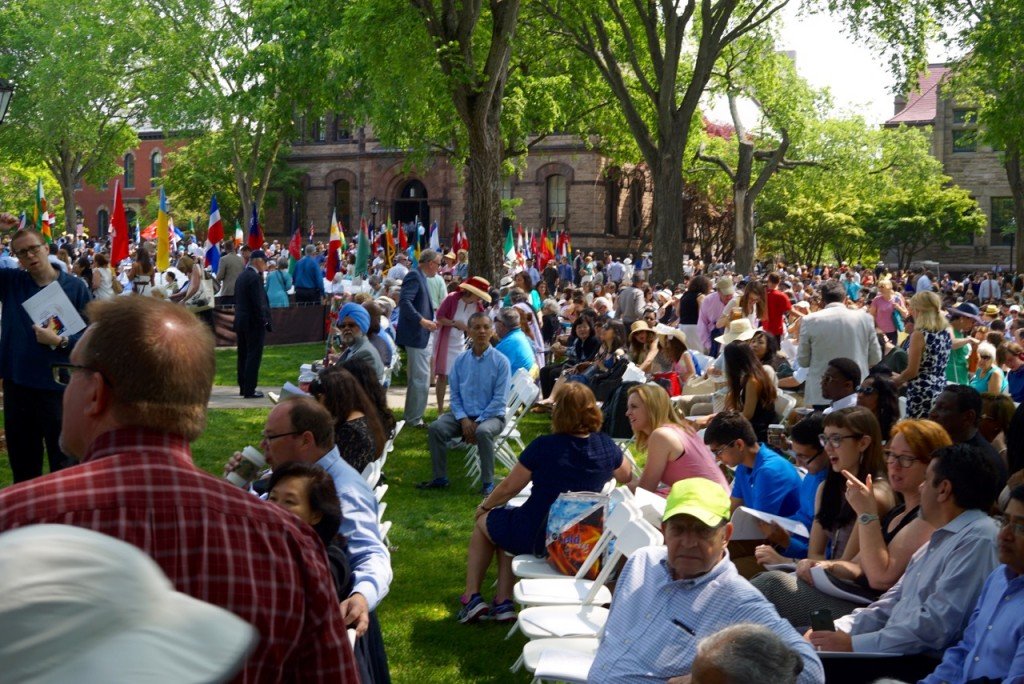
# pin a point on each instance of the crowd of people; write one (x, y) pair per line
(874, 410)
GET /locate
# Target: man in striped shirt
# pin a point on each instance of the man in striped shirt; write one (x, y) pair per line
(138, 384)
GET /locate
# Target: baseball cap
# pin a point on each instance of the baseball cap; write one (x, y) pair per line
(700, 498)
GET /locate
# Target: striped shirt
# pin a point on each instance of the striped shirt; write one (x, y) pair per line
(214, 542)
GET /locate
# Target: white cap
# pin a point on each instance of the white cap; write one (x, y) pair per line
(79, 606)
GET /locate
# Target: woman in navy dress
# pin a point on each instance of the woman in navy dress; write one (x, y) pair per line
(576, 457)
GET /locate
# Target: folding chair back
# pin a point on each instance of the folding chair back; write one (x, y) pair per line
(636, 534)
(625, 513)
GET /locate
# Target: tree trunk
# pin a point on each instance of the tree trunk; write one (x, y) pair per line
(669, 224)
(1016, 180)
(483, 176)
(67, 191)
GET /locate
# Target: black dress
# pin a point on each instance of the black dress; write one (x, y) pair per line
(355, 442)
(689, 310)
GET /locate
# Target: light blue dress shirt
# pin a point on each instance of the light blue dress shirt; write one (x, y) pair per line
(928, 609)
(367, 553)
(479, 385)
(656, 622)
(993, 645)
(517, 349)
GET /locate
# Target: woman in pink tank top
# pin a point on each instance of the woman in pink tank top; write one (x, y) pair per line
(674, 451)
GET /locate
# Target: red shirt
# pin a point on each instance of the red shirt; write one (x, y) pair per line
(214, 541)
(778, 304)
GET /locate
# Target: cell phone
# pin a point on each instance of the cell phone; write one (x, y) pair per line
(821, 620)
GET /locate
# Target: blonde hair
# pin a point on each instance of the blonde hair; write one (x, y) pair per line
(927, 310)
(659, 410)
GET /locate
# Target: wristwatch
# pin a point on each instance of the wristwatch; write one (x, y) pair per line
(64, 342)
(865, 518)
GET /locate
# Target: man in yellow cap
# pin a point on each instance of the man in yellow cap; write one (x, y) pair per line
(670, 597)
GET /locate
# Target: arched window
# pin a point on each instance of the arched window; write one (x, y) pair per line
(156, 164)
(557, 200)
(343, 202)
(129, 171)
(102, 223)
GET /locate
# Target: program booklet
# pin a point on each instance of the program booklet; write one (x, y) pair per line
(51, 308)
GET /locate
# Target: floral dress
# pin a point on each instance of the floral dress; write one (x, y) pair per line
(931, 376)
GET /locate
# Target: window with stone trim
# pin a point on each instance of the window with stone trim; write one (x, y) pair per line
(965, 130)
(102, 222)
(156, 167)
(1001, 219)
(557, 200)
(129, 171)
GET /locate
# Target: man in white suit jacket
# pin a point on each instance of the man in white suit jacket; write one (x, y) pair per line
(833, 332)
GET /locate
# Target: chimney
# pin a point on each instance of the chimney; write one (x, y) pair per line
(899, 104)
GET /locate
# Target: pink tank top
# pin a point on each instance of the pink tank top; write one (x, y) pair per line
(696, 461)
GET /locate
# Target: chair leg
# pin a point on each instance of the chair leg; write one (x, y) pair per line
(515, 628)
(518, 665)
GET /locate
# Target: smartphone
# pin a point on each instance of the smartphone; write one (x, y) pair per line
(821, 620)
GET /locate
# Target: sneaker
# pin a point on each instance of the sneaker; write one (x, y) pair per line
(502, 612)
(473, 610)
(440, 483)
(487, 488)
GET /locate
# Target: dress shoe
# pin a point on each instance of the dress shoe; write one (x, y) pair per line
(440, 483)
(255, 395)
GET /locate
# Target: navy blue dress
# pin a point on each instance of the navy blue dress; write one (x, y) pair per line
(559, 463)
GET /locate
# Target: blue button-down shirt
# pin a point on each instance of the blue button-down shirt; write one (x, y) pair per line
(307, 275)
(656, 621)
(565, 272)
(479, 385)
(993, 644)
(773, 486)
(928, 609)
(367, 553)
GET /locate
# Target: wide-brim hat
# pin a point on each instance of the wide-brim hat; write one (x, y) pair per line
(990, 310)
(478, 286)
(725, 285)
(740, 329)
(669, 331)
(80, 606)
(450, 255)
(639, 327)
(965, 310)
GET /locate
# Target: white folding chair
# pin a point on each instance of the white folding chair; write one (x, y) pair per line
(560, 660)
(371, 473)
(385, 527)
(379, 492)
(522, 395)
(784, 405)
(577, 591)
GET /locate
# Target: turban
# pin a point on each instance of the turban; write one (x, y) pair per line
(357, 313)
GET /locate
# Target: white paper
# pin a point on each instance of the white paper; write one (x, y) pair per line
(51, 308)
(823, 584)
(744, 524)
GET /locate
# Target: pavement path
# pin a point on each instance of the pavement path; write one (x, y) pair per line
(226, 397)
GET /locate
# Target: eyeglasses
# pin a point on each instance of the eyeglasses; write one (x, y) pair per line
(1005, 521)
(271, 438)
(905, 460)
(987, 357)
(718, 452)
(835, 440)
(701, 531)
(22, 253)
(62, 372)
(867, 390)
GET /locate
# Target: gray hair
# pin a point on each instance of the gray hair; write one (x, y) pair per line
(508, 316)
(429, 255)
(283, 263)
(310, 250)
(750, 653)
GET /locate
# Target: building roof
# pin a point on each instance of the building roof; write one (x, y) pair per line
(922, 102)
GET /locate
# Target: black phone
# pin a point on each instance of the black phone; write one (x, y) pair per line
(821, 620)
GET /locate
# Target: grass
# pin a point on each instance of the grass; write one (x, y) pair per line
(430, 533)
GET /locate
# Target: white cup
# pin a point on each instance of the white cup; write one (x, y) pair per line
(248, 469)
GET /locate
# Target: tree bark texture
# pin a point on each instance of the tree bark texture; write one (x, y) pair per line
(1015, 177)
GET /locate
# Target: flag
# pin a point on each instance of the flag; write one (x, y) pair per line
(295, 244)
(23, 222)
(39, 216)
(312, 232)
(389, 245)
(239, 235)
(119, 227)
(334, 247)
(403, 239)
(255, 239)
(363, 250)
(163, 234)
(534, 254)
(435, 238)
(420, 235)
(214, 236)
(510, 246)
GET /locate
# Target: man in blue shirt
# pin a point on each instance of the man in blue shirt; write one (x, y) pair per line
(309, 282)
(513, 342)
(479, 383)
(765, 481)
(992, 648)
(565, 272)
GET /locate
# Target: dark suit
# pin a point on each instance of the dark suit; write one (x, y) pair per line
(252, 321)
(413, 306)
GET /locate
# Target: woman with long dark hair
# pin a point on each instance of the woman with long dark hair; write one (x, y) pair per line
(689, 303)
(878, 394)
(752, 305)
(367, 377)
(750, 388)
(357, 430)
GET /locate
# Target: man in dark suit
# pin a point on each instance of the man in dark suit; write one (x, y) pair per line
(415, 323)
(230, 267)
(252, 321)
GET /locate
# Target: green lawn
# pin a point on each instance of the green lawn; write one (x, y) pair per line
(280, 363)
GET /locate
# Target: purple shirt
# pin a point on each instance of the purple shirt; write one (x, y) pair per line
(710, 311)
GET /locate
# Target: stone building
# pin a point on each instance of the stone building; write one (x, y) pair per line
(564, 183)
(972, 165)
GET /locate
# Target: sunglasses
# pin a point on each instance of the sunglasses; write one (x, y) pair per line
(868, 390)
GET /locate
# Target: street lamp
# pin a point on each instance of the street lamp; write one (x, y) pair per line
(6, 92)
(374, 208)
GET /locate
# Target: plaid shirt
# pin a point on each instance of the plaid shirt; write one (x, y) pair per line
(214, 541)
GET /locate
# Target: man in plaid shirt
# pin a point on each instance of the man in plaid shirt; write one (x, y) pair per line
(138, 384)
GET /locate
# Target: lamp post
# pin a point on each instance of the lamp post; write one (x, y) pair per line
(374, 208)
(6, 92)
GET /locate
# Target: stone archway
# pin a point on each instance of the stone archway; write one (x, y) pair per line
(411, 203)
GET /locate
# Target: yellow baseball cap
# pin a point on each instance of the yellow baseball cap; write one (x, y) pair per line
(698, 497)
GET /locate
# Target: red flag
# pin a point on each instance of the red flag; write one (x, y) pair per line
(403, 241)
(119, 227)
(295, 245)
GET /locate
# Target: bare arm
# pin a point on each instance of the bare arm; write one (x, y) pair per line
(914, 354)
(661, 448)
(995, 381)
(751, 398)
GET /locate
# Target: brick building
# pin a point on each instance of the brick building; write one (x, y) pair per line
(564, 183)
(140, 168)
(972, 165)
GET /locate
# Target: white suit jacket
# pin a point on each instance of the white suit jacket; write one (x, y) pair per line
(835, 332)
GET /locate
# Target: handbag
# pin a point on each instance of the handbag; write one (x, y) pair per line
(605, 382)
(670, 381)
(574, 525)
(897, 320)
